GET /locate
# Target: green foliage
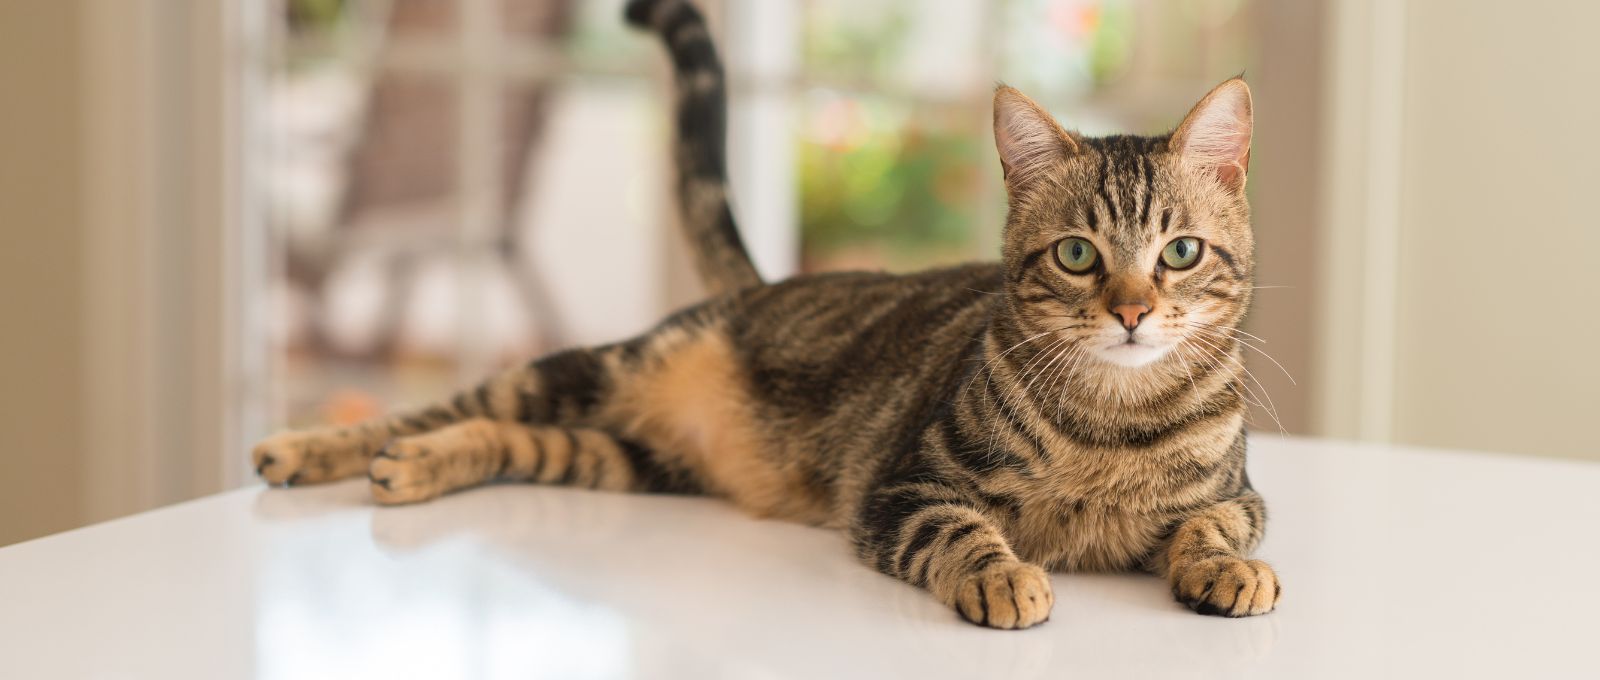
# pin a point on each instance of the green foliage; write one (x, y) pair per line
(314, 15)
(910, 192)
(847, 41)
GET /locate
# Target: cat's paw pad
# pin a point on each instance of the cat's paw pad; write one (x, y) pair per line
(405, 471)
(1006, 595)
(1227, 586)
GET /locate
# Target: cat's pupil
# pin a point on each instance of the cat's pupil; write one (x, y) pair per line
(1182, 249)
(1077, 251)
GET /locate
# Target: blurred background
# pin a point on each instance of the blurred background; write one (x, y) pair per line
(225, 218)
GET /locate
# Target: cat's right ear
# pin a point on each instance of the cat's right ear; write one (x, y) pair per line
(1028, 138)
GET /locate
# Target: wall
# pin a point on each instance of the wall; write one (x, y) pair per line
(116, 367)
(1496, 325)
(41, 267)
(1285, 167)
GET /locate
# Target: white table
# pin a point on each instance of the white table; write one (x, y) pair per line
(1395, 562)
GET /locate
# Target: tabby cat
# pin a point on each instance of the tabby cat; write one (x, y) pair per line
(1076, 406)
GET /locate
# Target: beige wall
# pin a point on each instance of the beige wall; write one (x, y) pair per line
(1284, 180)
(117, 169)
(40, 269)
(1497, 326)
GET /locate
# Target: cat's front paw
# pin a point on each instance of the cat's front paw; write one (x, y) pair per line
(1227, 586)
(1006, 595)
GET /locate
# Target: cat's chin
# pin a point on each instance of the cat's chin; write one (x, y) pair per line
(1131, 355)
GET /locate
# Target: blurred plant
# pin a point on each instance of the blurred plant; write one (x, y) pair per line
(318, 31)
(843, 40)
(1080, 45)
(314, 15)
(900, 187)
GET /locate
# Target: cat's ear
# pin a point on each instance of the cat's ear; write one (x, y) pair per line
(1028, 138)
(1215, 136)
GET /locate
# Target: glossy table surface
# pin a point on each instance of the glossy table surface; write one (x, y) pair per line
(1395, 563)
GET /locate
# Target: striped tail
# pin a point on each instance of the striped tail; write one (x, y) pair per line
(720, 256)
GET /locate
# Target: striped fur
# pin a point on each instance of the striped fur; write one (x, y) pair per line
(720, 256)
(963, 425)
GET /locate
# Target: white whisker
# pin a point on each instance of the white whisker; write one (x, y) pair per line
(994, 430)
(987, 367)
(1257, 350)
(1079, 351)
(1271, 408)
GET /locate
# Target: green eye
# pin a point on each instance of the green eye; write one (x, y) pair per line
(1181, 253)
(1076, 255)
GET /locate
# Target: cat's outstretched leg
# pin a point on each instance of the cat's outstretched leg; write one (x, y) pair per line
(933, 537)
(421, 467)
(1208, 562)
(558, 388)
(330, 453)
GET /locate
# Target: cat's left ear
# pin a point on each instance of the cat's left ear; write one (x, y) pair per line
(1215, 136)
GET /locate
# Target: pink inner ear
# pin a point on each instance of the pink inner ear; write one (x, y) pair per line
(1028, 139)
(1216, 135)
(1233, 174)
(1023, 141)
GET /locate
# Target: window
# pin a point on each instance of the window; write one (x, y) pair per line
(453, 185)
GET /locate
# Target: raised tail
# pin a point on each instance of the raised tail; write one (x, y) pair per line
(699, 147)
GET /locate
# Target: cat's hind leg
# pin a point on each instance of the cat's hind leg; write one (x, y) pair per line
(425, 466)
(326, 454)
(559, 388)
(322, 454)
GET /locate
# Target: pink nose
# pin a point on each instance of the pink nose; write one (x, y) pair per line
(1131, 313)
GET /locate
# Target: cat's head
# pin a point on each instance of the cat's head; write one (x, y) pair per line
(1136, 248)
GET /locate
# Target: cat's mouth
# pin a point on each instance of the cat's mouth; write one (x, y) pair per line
(1130, 352)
